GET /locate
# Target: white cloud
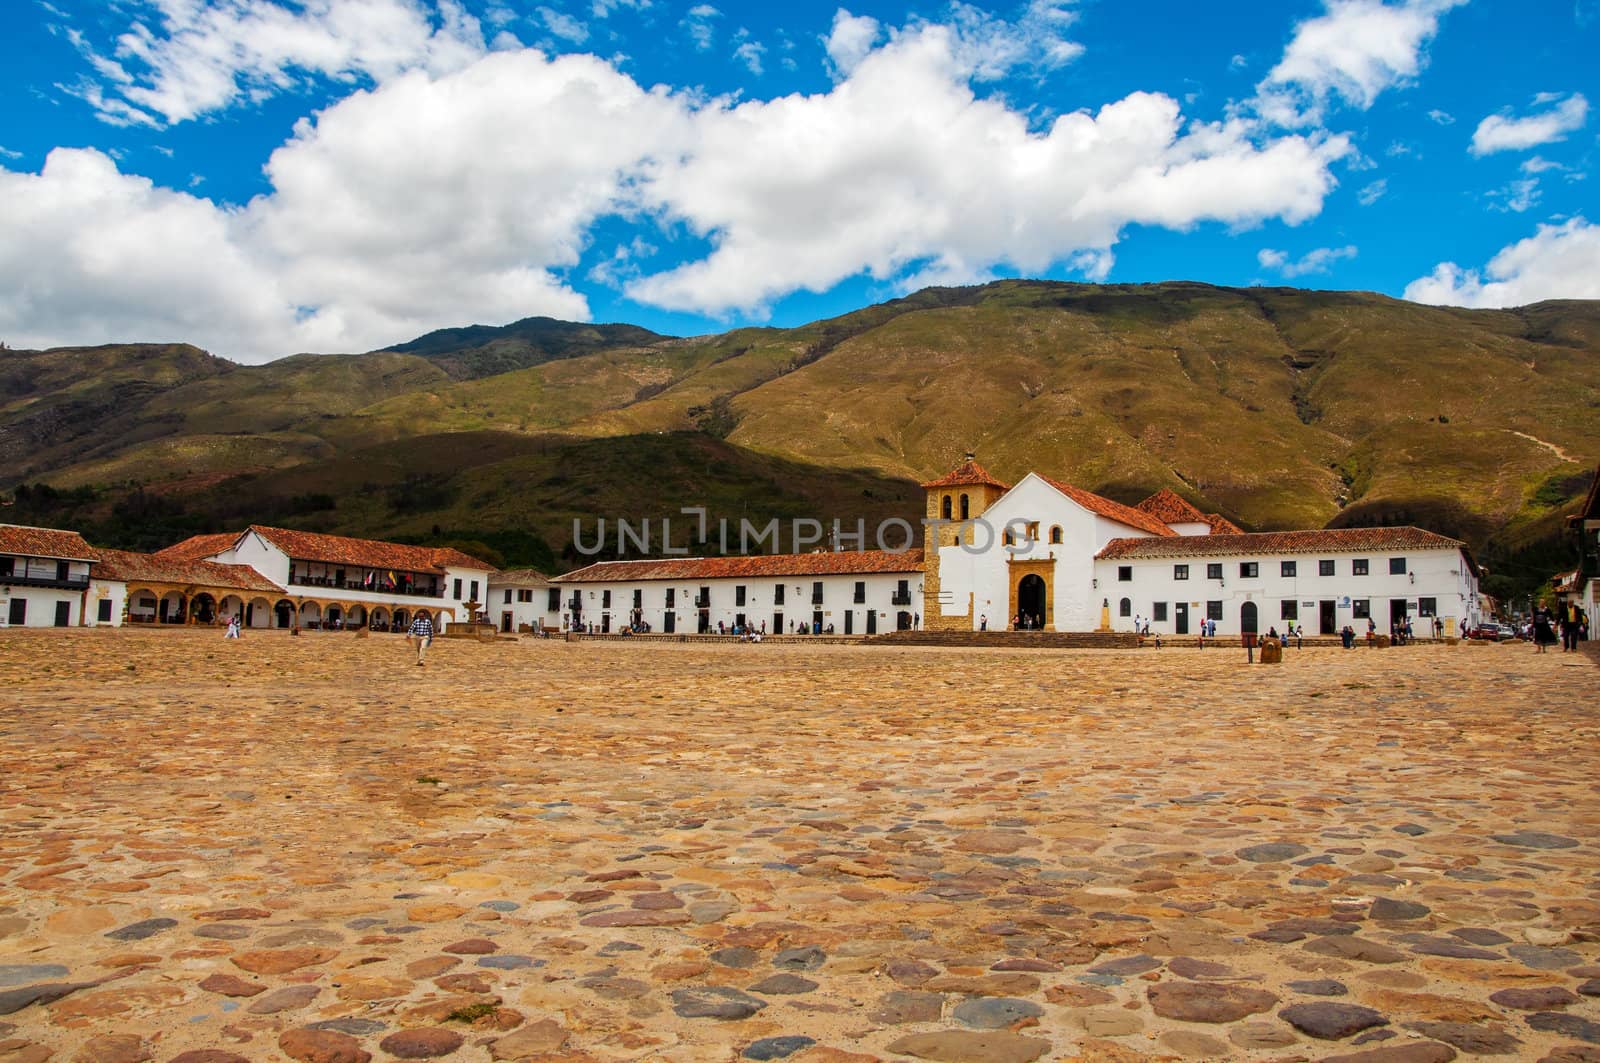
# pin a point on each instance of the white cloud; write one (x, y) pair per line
(902, 169)
(564, 26)
(184, 58)
(850, 41)
(748, 51)
(1539, 164)
(1557, 262)
(1441, 117)
(701, 29)
(1501, 132)
(1318, 261)
(1373, 192)
(899, 172)
(1354, 51)
(1518, 196)
(604, 8)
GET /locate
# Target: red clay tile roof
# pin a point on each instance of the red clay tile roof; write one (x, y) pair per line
(160, 568)
(1169, 508)
(199, 547)
(966, 474)
(518, 576)
(1221, 525)
(1116, 511)
(45, 542)
(370, 553)
(823, 563)
(1290, 542)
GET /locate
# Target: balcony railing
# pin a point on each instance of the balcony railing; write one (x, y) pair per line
(71, 583)
(816, 599)
(901, 598)
(328, 582)
(575, 604)
(702, 602)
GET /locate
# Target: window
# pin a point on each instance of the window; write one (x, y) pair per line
(1124, 573)
(1397, 566)
(605, 599)
(1008, 538)
(816, 592)
(554, 604)
(861, 591)
(1125, 608)
(703, 599)
(63, 570)
(1324, 568)
(944, 508)
(508, 596)
(1427, 607)
(1213, 610)
(964, 507)
(738, 594)
(1055, 534)
(638, 598)
(1358, 567)
(6, 568)
(1286, 568)
(525, 596)
(1361, 608)
(777, 595)
(1180, 571)
(672, 597)
(458, 589)
(474, 595)
(1249, 569)
(1033, 530)
(1289, 609)
(1159, 612)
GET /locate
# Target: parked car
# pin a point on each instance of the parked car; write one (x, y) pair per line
(1492, 631)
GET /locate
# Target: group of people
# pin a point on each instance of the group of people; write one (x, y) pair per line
(1566, 623)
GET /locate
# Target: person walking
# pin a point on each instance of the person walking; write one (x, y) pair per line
(233, 627)
(422, 634)
(1543, 628)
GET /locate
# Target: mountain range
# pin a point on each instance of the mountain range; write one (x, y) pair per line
(1278, 407)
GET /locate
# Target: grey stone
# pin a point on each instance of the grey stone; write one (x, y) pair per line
(1480, 935)
(500, 906)
(1330, 1022)
(777, 1047)
(995, 1013)
(803, 959)
(1536, 839)
(1389, 908)
(1319, 987)
(1412, 829)
(714, 1002)
(23, 973)
(1443, 947)
(784, 984)
(1126, 965)
(1534, 998)
(1415, 1052)
(1354, 948)
(141, 930)
(1470, 1038)
(738, 957)
(1271, 853)
(223, 931)
(14, 1000)
(1545, 959)
(508, 962)
(1566, 1025)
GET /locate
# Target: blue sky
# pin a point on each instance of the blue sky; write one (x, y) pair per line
(262, 177)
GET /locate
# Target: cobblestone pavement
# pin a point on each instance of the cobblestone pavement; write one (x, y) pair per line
(310, 848)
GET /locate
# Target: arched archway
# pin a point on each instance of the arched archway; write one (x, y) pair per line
(203, 608)
(258, 613)
(142, 604)
(335, 617)
(1055, 534)
(1032, 599)
(966, 507)
(356, 616)
(944, 508)
(402, 620)
(379, 620)
(231, 605)
(1125, 607)
(1248, 624)
(310, 614)
(171, 608)
(283, 613)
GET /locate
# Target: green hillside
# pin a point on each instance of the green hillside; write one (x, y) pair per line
(1277, 406)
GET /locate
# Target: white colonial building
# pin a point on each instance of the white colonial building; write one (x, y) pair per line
(44, 576)
(845, 593)
(333, 581)
(523, 600)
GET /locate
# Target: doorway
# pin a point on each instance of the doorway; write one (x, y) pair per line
(505, 622)
(669, 621)
(849, 621)
(63, 614)
(872, 621)
(1397, 613)
(1247, 619)
(1031, 600)
(1180, 618)
(902, 621)
(1328, 617)
(19, 612)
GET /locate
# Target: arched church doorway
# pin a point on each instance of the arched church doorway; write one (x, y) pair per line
(1031, 602)
(1247, 618)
